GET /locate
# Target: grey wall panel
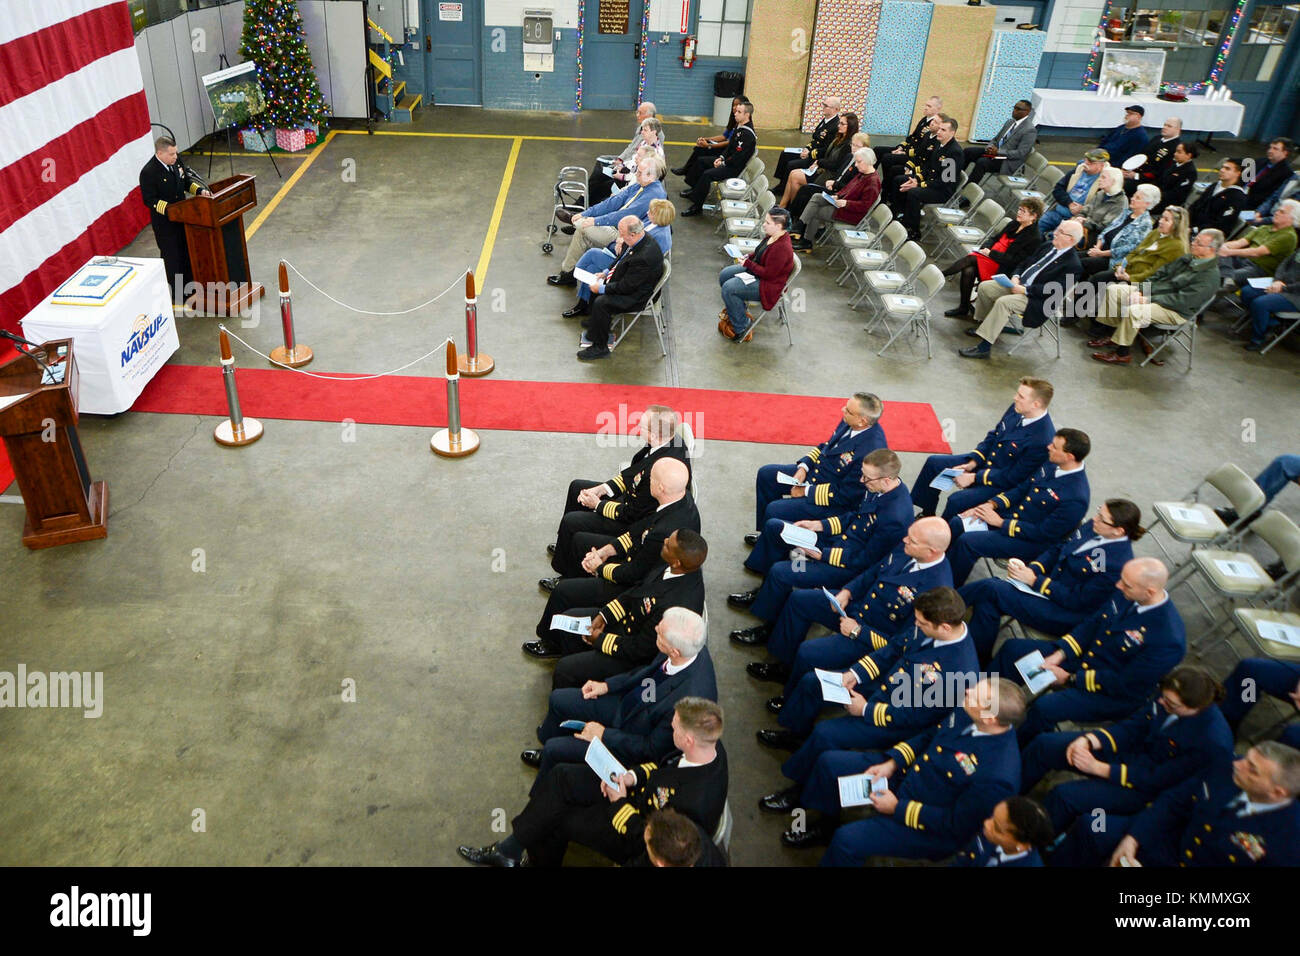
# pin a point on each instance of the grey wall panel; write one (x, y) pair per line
(167, 81)
(346, 28)
(197, 112)
(232, 27)
(146, 73)
(314, 29)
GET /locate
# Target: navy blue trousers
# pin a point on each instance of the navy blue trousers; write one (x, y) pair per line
(991, 598)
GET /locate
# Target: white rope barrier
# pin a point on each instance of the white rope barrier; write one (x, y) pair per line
(439, 348)
(455, 284)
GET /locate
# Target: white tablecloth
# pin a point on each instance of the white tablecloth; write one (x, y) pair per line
(122, 328)
(1080, 108)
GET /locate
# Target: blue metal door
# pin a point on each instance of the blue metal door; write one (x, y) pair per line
(611, 62)
(452, 37)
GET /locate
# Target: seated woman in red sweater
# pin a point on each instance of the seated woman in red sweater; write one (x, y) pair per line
(849, 204)
(1019, 240)
(761, 277)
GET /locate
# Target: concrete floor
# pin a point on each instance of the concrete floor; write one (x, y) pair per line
(238, 590)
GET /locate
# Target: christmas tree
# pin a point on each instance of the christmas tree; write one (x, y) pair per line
(273, 39)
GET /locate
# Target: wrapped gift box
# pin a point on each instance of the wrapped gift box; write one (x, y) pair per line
(291, 140)
(256, 141)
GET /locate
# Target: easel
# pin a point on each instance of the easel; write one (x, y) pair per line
(230, 150)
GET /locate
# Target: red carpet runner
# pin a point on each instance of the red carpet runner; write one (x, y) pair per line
(489, 403)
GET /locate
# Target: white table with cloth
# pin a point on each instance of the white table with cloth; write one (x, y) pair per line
(1084, 108)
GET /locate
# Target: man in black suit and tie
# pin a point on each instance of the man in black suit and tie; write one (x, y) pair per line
(164, 181)
(932, 181)
(630, 713)
(627, 287)
(1040, 288)
(1009, 148)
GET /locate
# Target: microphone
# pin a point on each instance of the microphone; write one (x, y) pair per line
(192, 174)
(19, 341)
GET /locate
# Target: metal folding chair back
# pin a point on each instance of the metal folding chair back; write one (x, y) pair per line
(654, 307)
(911, 312)
(783, 306)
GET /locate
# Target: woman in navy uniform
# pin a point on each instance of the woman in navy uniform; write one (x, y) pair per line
(1012, 836)
(1176, 735)
(1068, 582)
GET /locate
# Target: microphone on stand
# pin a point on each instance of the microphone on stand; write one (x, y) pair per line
(19, 342)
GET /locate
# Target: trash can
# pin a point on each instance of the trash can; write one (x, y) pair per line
(726, 86)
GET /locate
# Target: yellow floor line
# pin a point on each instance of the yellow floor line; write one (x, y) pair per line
(289, 184)
(480, 271)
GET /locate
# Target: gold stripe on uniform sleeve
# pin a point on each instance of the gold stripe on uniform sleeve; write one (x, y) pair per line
(833, 525)
(823, 495)
(607, 571)
(836, 558)
(1074, 645)
(1106, 733)
(610, 644)
(625, 541)
(615, 608)
(1011, 528)
(609, 510)
(880, 715)
(160, 206)
(1123, 776)
(908, 753)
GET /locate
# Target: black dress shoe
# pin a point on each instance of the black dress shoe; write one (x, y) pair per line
(693, 211)
(550, 550)
(751, 539)
(1226, 515)
(1069, 320)
(532, 758)
(678, 170)
(743, 599)
(814, 834)
(686, 192)
(580, 309)
(751, 636)
(564, 216)
(593, 352)
(802, 245)
(774, 704)
(548, 584)
(487, 856)
(567, 230)
(541, 649)
(961, 312)
(562, 279)
(1276, 570)
(783, 801)
(780, 739)
(775, 671)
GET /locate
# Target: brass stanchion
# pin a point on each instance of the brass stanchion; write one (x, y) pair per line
(291, 353)
(453, 441)
(474, 363)
(237, 430)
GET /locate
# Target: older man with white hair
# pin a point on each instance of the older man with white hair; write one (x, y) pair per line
(632, 713)
(597, 227)
(1040, 287)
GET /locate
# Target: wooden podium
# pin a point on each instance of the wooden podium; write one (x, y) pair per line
(214, 232)
(40, 434)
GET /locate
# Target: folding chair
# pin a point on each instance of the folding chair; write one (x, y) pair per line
(783, 305)
(722, 835)
(688, 440)
(746, 205)
(570, 196)
(1192, 522)
(750, 225)
(1183, 336)
(982, 222)
(912, 311)
(907, 265)
(1236, 573)
(1051, 328)
(1290, 321)
(1273, 609)
(867, 260)
(1041, 189)
(865, 233)
(1024, 178)
(654, 307)
(951, 213)
(737, 186)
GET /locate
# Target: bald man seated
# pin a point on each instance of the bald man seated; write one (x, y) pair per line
(1036, 294)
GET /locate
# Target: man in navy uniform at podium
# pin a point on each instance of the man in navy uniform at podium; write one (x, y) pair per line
(164, 181)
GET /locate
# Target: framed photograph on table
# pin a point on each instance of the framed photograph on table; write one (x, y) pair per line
(1143, 68)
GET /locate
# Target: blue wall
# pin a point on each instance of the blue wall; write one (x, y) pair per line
(677, 91)
(1062, 71)
(506, 86)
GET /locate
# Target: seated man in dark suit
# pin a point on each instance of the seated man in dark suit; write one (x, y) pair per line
(612, 506)
(953, 776)
(623, 633)
(740, 149)
(1159, 152)
(1014, 833)
(632, 712)
(1178, 734)
(1271, 171)
(827, 479)
(917, 143)
(1041, 288)
(1239, 813)
(1013, 450)
(571, 804)
(1039, 512)
(1176, 181)
(673, 840)
(1066, 583)
(1111, 663)
(1008, 150)
(628, 287)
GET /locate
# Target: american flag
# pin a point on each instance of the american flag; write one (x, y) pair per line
(74, 134)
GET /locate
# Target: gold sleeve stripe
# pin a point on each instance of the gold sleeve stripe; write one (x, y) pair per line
(837, 558)
(878, 640)
(908, 753)
(160, 206)
(616, 608)
(610, 644)
(1123, 776)
(823, 495)
(617, 482)
(870, 667)
(1003, 499)
(607, 571)
(1090, 681)
(609, 510)
(880, 715)
(622, 817)
(833, 525)
(1011, 528)
(1106, 733)
(1074, 645)
(815, 455)
(1044, 586)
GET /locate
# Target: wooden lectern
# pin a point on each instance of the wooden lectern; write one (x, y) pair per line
(40, 434)
(214, 232)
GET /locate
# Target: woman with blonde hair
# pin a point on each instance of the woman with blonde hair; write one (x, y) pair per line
(832, 180)
(662, 215)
